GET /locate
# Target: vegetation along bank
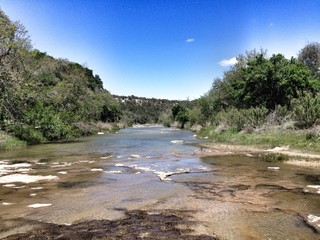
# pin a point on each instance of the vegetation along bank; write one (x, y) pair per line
(262, 100)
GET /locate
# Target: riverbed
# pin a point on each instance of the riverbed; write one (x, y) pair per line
(149, 183)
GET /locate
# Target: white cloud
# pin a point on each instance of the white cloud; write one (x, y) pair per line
(190, 40)
(228, 62)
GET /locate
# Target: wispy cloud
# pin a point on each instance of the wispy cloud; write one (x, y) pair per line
(190, 40)
(228, 62)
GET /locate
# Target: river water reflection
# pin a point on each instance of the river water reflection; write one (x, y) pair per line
(154, 169)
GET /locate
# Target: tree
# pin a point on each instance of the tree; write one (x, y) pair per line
(180, 114)
(14, 42)
(310, 56)
(275, 81)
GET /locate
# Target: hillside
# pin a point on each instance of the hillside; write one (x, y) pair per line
(46, 99)
(143, 110)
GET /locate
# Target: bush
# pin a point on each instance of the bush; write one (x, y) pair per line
(233, 118)
(28, 134)
(10, 142)
(306, 110)
(275, 157)
(240, 119)
(43, 119)
(255, 116)
(313, 134)
(280, 115)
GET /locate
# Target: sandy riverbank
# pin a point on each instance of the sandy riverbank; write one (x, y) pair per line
(297, 157)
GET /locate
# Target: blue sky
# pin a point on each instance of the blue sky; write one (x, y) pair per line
(164, 48)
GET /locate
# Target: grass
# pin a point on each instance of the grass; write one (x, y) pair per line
(10, 142)
(295, 139)
(275, 157)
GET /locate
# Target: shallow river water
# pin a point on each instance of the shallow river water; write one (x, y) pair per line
(142, 179)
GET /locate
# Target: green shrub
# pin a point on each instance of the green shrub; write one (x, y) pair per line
(28, 134)
(115, 128)
(49, 123)
(55, 129)
(275, 157)
(237, 119)
(233, 118)
(282, 114)
(306, 110)
(255, 116)
(10, 142)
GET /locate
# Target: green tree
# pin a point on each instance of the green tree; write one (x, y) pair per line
(14, 43)
(310, 56)
(180, 114)
(275, 81)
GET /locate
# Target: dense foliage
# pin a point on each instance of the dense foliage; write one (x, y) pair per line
(260, 88)
(46, 99)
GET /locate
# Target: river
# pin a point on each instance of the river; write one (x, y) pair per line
(148, 183)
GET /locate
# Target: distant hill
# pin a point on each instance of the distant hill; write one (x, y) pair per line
(146, 110)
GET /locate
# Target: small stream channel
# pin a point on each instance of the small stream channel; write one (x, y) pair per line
(148, 183)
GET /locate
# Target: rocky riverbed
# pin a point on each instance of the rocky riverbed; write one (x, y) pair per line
(149, 184)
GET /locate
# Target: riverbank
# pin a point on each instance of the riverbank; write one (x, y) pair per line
(295, 156)
(9, 142)
(300, 147)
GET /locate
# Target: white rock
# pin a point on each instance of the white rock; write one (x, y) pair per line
(25, 178)
(11, 168)
(274, 168)
(96, 170)
(177, 141)
(23, 170)
(6, 204)
(314, 186)
(285, 148)
(164, 175)
(313, 218)
(113, 172)
(9, 185)
(38, 205)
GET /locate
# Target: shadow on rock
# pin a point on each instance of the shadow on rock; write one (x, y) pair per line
(136, 225)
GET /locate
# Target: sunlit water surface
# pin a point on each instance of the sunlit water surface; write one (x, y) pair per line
(153, 169)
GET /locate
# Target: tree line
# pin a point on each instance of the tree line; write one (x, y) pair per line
(258, 87)
(141, 110)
